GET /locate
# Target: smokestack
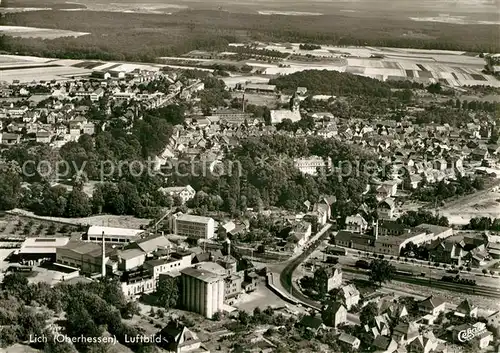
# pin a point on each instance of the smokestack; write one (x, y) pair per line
(376, 229)
(228, 247)
(103, 260)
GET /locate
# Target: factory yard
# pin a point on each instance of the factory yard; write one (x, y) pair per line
(42, 33)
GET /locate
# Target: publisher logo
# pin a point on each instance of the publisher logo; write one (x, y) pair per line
(470, 333)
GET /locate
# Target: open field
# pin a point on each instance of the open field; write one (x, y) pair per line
(101, 220)
(269, 101)
(481, 205)
(33, 32)
(426, 66)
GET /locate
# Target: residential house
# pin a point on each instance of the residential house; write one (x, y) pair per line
(88, 128)
(10, 139)
(383, 344)
(352, 342)
(334, 278)
(356, 224)
(311, 323)
(382, 325)
(425, 343)
(413, 181)
(397, 311)
(481, 337)
(493, 322)
(298, 236)
(386, 189)
(432, 305)
(405, 332)
(479, 154)
(446, 252)
(350, 296)
(177, 338)
(96, 95)
(466, 309)
(386, 208)
(184, 193)
(74, 130)
(43, 136)
(334, 314)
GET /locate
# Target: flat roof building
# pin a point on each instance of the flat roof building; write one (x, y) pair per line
(113, 235)
(41, 248)
(194, 226)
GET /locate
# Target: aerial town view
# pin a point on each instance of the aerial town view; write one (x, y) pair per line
(249, 176)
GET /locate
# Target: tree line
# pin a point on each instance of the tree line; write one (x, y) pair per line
(338, 84)
(115, 36)
(90, 310)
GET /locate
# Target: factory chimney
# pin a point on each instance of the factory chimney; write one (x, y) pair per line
(376, 229)
(103, 260)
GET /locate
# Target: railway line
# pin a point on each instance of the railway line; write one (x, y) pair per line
(433, 283)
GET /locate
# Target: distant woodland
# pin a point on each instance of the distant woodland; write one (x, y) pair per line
(140, 37)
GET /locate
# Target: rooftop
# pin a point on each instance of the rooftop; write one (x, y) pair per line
(130, 254)
(201, 275)
(112, 231)
(431, 228)
(85, 248)
(194, 219)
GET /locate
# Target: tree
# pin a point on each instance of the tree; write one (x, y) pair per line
(29, 323)
(368, 314)
(381, 271)
(16, 284)
(434, 88)
(10, 189)
(78, 204)
(243, 317)
(167, 292)
(321, 281)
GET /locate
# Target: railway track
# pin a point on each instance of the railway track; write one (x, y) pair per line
(433, 283)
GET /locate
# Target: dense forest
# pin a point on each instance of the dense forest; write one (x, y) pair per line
(269, 178)
(259, 173)
(338, 84)
(90, 310)
(140, 37)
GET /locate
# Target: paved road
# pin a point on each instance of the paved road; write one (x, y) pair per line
(287, 274)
